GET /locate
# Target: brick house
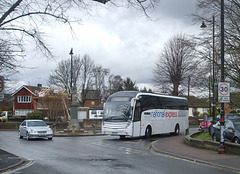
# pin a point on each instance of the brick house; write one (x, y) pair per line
(92, 99)
(24, 99)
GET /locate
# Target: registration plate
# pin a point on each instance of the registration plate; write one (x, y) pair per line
(42, 135)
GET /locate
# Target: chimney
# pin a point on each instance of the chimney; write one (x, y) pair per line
(39, 85)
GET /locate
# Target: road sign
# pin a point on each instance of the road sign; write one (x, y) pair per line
(223, 92)
(1, 84)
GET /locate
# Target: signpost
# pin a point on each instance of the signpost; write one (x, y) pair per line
(1, 88)
(223, 92)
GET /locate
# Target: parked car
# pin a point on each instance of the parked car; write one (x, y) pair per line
(231, 131)
(5, 115)
(226, 117)
(32, 129)
(206, 124)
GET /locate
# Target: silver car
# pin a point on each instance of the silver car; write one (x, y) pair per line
(32, 129)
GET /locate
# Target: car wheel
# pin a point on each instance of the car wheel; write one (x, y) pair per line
(19, 135)
(27, 136)
(236, 140)
(50, 138)
(148, 132)
(214, 138)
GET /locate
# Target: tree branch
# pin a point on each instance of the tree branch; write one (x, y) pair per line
(11, 9)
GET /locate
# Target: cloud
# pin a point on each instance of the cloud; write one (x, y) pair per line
(120, 39)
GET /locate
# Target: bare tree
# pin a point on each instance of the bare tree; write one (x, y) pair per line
(115, 83)
(176, 63)
(99, 76)
(86, 76)
(205, 10)
(61, 76)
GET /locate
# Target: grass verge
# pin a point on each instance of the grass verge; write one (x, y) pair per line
(203, 136)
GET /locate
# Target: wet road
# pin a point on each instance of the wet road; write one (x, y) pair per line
(98, 154)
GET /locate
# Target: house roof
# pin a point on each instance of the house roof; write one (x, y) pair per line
(93, 95)
(195, 102)
(32, 89)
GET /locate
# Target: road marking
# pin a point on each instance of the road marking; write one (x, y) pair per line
(126, 150)
(20, 168)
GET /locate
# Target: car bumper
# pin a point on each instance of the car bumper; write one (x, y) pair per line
(34, 136)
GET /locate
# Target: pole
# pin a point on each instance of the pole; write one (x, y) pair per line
(189, 78)
(71, 87)
(213, 81)
(222, 120)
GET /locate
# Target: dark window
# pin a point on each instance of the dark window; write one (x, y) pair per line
(154, 102)
(137, 112)
(24, 123)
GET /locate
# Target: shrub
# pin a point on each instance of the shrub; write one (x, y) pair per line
(34, 115)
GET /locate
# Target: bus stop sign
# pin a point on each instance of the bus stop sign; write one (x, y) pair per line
(223, 92)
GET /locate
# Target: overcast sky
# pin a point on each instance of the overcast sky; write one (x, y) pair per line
(120, 39)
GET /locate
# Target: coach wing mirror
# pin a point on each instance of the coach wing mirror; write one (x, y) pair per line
(133, 101)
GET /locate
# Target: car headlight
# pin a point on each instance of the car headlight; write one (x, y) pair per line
(49, 131)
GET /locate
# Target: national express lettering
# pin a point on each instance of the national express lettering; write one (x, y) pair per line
(158, 114)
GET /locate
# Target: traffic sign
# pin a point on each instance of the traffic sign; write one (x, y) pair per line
(223, 92)
(1, 84)
(1, 88)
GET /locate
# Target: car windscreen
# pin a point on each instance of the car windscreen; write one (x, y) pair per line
(36, 124)
(236, 124)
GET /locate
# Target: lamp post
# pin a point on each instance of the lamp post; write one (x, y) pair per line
(73, 125)
(222, 120)
(71, 87)
(213, 65)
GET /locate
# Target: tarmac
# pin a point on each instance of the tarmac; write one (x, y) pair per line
(171, 147)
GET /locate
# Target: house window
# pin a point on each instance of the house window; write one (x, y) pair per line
(24, 99)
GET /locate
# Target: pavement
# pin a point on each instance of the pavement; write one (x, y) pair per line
(8, 160)
(172, 147)
(177, 148)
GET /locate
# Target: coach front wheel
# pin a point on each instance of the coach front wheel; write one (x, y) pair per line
(148, 132)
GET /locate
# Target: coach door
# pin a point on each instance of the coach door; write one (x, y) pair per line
(137, 120)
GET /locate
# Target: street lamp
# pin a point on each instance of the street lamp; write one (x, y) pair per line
(73, 124)
(222, 120)
(213, 60)
(71, 87)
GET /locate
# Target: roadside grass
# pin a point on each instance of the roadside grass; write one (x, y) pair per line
(203, 136)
